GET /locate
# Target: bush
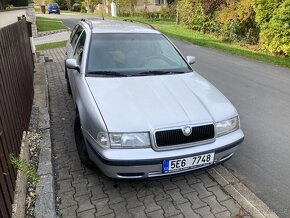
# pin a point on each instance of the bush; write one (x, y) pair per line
(211, 6)
(264, 10)
(202, 22)
(19, 3)
(76, 7)
(63, 5)
(83, 8)
(125, 7)
(238, 22)
(143, 14)
(169, 12)
(185, 9)
(275, 34)
(164, 12)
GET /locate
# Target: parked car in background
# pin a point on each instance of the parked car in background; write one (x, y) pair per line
(141, 110)
(53, 8)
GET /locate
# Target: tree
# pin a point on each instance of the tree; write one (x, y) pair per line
(2, 4)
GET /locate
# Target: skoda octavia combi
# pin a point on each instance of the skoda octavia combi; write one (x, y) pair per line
(141, 110)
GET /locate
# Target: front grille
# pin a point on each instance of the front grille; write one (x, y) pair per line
(176, 136)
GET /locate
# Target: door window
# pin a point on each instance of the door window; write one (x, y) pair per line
(76, 36)
(78, 54)
(73, 32)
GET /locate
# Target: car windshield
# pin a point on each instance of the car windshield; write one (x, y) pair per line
(120, 54)
(53, 5)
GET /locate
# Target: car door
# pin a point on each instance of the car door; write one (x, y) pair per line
(78, 56)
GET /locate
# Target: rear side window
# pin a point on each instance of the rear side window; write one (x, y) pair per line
(53, 5)
(76, 36)
(80, 48)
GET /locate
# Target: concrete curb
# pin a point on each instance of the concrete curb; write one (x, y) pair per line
(45, 193)
(18, 207)
(238, 191)
(46, 33)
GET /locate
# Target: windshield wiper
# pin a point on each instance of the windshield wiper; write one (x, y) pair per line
(107, 73)
(157, 72)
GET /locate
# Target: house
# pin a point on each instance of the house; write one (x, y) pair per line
(150, 5)
(141, 5)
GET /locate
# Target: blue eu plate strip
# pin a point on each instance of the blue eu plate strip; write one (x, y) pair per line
(165, 165)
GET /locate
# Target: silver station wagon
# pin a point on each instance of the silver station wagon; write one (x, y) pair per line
(141, 110)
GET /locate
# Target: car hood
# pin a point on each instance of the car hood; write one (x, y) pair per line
(135, 104)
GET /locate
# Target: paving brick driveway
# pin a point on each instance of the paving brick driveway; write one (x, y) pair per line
(85, 193)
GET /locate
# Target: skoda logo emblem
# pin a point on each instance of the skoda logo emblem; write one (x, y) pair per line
(187, 131)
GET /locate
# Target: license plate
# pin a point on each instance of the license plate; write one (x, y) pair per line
(198, 161)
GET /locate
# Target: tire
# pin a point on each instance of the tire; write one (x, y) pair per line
(67, 84)
(81, 146)
(65, 71)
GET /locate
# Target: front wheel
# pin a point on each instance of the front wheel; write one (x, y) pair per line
(81, 145)
(68, 87)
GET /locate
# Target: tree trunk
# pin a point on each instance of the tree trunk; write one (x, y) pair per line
(166, 3)
(2, 5)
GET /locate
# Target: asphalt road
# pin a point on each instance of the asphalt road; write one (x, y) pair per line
(261, 94)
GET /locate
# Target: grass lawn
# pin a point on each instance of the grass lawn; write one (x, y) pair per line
(48, 24)
(51, 45)
(169, 28)
(212, 42)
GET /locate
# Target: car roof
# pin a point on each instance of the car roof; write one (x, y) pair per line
(112, 26)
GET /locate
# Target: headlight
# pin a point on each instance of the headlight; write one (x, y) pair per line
(103, 139)
(123, 140)
(227, 126)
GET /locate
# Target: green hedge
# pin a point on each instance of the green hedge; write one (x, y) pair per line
(265, 23)
(19, 3)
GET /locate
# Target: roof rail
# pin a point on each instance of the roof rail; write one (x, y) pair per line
(130, 20)
(89, 22)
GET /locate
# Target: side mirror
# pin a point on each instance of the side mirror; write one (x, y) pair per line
(72, 64)
(190, 59)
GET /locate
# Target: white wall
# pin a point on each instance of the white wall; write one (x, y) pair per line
(9, 17)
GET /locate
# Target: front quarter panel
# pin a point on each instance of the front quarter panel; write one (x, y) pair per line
(90, 115)
(91, 118)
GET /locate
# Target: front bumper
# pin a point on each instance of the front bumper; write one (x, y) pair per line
(53, 11)
(147, 163)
